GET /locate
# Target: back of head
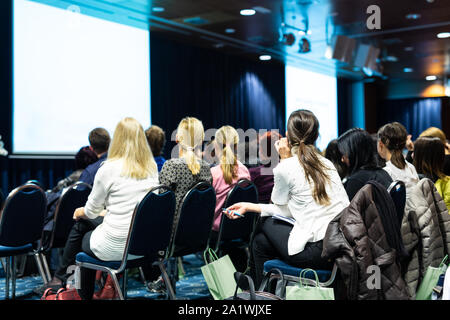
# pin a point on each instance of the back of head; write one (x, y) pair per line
(99, 140)
(84, 157)
(156, 139)
(130, 144)
(434, 132)
(393, 136)
(267, 145)
(227, 139)
(190, 136)
(429, 157)
(302, 133)
(356, 144)
(332, 153)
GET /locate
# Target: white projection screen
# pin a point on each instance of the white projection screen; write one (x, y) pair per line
(315, 92)
(73, 73)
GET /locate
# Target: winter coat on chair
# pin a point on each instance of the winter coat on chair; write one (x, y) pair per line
(425, 231)
(357, 241)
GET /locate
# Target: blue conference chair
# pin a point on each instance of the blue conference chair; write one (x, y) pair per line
(236, 233)
(193, 228)
(149, 237)
(75, 197)
(397, 191)
(21, 225)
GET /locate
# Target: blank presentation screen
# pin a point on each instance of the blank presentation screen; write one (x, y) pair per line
(73, 73)
(317, 93)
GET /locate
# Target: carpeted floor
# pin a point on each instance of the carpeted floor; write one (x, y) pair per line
(192, 286)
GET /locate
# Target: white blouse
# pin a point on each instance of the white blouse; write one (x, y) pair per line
(408, 175)
(119, 195)
(292, 197)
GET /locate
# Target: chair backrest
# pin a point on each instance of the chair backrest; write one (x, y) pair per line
(397, 191)
(151, 224)
(75, 197)
(22, 217)
(36, 182)
(244, 191)
(2, 199)
(195, 219)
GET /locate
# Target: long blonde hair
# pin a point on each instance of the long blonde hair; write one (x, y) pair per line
(130, 145)
(190, 135)
(227, 138)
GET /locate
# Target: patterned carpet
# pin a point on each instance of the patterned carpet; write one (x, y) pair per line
(191, 287)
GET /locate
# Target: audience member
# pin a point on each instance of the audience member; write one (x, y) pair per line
(156, 139)
(429, 157)
(262, 175)
(229, 171)
(99, 140)
(120, 183)
(378, 159)
(332, 153)
(358, 154)
(391, 142)
(307, 189)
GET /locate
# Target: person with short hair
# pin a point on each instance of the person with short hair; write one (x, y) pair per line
(99, 141)
(156, 138)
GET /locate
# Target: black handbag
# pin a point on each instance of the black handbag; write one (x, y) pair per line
(245, 283)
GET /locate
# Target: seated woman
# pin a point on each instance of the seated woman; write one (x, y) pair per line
(358, 154)
(156, 138)
(307, 189)
(332, 153)
(429, 158)
(262, 175)
(121, 182)
(391, 142)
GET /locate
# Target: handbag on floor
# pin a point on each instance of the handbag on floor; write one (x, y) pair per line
(303, 292)
(249, 293)
(219, 275)
(430, 280)
(61, 294)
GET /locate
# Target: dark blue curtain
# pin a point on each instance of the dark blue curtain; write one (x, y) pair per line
(216, 88)
(415, 114)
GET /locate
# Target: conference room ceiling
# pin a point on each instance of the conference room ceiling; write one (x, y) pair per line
(410, 48)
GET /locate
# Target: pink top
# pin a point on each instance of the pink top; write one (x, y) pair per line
(222, 189)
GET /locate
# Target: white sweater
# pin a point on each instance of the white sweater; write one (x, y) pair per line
(292, 197)
(408, 175)
(119, 195)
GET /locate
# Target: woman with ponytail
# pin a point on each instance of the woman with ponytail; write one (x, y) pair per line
(308, 190)
(182, 173)
(391, 142)
(229, 171)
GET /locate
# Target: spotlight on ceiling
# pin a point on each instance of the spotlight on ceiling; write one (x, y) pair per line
(265, 57)
(248, 12)
(158, 9)
(304, 45)
(430, 78)
(413, 16)
(287, 39)
(443, 35)
(408, 70)
(230, 30)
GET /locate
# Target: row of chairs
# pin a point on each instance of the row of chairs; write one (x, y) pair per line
(149, 235)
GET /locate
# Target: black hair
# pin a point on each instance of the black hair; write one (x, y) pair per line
(332, 153)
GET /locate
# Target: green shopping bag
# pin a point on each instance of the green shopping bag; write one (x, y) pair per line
(219, 275)
(430, 280)
(303, 292)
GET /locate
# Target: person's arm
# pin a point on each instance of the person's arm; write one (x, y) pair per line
(96, 201)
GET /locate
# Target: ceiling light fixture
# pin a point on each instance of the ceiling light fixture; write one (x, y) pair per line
(443, 35)
(265, 57)
(247, 12)
(230, 30)
(431, 78)
(413, 16)
(407, 70)
(158, 9)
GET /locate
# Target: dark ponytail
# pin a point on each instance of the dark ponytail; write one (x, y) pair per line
(303, 131)
(394, 135)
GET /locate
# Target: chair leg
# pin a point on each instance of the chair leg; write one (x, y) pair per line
(141, 273)
(167, 281)
(40, 268)
(13, 277)
(124, 284)
(7, 277)
(117, 285)
(46, 268)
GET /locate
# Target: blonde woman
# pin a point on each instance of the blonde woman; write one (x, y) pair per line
(183, 172)
(229, 171)
(121, 182)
